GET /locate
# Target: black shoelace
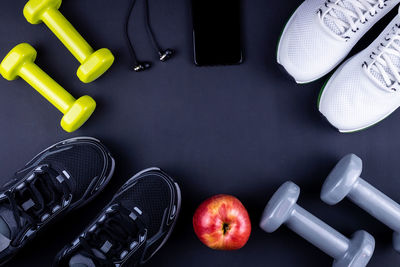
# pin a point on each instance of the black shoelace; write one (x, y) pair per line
(117, 232)
(163, 54)
(36, 199)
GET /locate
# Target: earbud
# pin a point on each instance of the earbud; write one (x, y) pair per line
(165, 55)
(141, 66)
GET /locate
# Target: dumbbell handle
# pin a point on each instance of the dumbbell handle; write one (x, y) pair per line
(68, 35)
(46, 86)
(376, 203)
(317, 232)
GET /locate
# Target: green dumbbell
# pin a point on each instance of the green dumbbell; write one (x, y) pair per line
(19, 62)
(93, 63)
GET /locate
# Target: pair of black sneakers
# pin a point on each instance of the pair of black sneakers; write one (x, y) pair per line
(129, 230)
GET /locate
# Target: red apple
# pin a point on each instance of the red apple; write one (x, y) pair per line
(222, 222)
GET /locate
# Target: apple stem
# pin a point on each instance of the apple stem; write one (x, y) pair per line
(225, 227)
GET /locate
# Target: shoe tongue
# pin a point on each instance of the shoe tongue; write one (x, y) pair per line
(57, 179)
(47, 195)
(4, 229)
(7, 224)
(78, 265)
(81, 261)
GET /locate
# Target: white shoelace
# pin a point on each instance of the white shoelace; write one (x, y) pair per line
(386, 64)
(344, 13)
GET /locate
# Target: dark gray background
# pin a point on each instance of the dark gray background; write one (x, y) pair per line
(241, 130)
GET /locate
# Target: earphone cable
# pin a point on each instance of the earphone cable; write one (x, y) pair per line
(128, 39)
(150, 30)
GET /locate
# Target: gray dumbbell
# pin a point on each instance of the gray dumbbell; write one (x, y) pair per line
(283, 209)
(345, 181)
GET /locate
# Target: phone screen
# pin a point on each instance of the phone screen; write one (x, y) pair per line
(216, 32)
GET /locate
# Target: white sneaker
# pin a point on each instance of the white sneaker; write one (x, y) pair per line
(365, 89)
(320, 34)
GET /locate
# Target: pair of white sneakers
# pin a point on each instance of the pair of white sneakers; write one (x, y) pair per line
(320, 34)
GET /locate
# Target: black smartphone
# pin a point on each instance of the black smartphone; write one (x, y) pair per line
(216, 32)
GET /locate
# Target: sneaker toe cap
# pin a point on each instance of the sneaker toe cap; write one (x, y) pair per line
(306, 50)
(352, 102)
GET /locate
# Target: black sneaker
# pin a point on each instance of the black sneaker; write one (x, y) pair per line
(130, 229)
(61, 178)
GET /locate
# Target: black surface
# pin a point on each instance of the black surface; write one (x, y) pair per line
(216, 32)
(241, 130)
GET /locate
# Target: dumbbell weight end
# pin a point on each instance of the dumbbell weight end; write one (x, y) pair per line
(78, 114)
(95, 65)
